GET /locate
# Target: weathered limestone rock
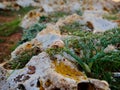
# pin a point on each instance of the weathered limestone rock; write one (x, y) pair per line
(99, 24)
(45, 39)
(42, 73)
(68, 20)
(31, 18)
(3, 77)
(24, 3)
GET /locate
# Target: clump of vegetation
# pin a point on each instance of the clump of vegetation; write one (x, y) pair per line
(22, 11)
(21, 60)
(54, 17)
(88, 50)
(111, 17)
(71, 29)
(8, 29)
(14, 46)
(110, 37)
(30, 33)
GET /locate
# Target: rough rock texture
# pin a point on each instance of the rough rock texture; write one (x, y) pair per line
(100, 24)
(31, 18)
(43, 73)
(3, 78)
(64, 5)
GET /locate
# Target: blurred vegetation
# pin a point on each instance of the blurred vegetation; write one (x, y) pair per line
(53, 17)
(13, 47)
(9, 28)
(22, 11)
(111, 17)
(13, 26)
(2, 40)
(22, 59)
(30, 33)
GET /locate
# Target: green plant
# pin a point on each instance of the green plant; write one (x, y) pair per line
(88, 50)
(22, 11)
(73, 29)
(59, 14)
(13, 47)
(110, 37)
(22, 59)
(8, 29)
(31, 32)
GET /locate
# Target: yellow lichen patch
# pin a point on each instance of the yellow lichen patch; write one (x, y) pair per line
(28, 46)
(67, 71)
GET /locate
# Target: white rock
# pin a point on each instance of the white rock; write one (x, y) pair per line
(31, 18)
(2, 6)
(50, 74)
(47, 40)
(24, 3)
(47, 8)
(44, 70)
(75, 6)
(3, 77)
(99, 24)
